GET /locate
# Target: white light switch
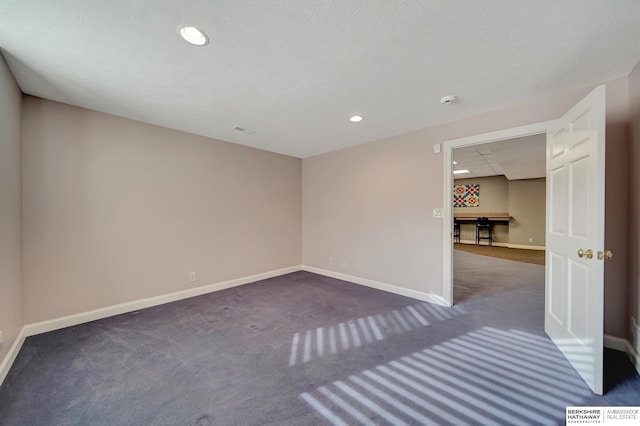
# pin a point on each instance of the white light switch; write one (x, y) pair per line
(436, 148)
(438, 213)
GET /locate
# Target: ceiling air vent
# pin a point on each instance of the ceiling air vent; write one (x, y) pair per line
(243, 130)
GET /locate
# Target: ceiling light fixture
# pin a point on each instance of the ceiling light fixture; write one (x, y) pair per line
(193, 35)
(461, 172)
(356, 118)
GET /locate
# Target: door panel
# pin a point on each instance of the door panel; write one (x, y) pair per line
(556, 290)
(577, 326)
(579, 191)
(574, 280)
(558, 218)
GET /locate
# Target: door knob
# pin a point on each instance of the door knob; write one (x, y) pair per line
(588, 253)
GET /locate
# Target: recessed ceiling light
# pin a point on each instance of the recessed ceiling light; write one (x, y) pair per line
(461, 172)
(356, 118)
(193, 35)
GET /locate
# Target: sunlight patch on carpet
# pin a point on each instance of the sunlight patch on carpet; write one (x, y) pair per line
(488, 376)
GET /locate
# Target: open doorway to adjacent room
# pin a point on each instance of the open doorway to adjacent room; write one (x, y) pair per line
(504, 182)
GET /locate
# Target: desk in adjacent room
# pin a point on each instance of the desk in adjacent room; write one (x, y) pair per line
(466, 219)
(473, 217)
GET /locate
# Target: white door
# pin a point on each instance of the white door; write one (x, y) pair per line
(574, 279)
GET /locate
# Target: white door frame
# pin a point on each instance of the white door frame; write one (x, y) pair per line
(448, 147)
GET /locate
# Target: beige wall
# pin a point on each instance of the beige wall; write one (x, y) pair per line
(11, 318)
(494, 195)
(494, 198)
(371, 205)
(527, 201)
(368, 208)
(617, 187)
(523, 199)
(634, 228)
(115, 210)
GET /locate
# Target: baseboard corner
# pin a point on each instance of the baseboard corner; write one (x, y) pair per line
(11, 356)
(623, 345)
(616, 343)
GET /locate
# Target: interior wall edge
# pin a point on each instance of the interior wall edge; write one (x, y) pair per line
(122, 308)
(11, 276)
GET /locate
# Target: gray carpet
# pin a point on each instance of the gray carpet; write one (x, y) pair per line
(303, 349)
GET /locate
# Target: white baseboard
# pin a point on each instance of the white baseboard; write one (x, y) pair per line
(7, 362)
(526, 247)
(493, 243)
(427, 297)
(623, 345)
(617, 343)
(497, 244)
(96, 314)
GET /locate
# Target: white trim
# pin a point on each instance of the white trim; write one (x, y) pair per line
(75, 319)
(623, 345)
(525, 247)
(507, 245)
(493, 243)
(8, 360)
(514, 132)
(617, 343)
(427, 297)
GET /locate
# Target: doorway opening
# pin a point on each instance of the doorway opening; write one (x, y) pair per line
(499, 137)
(499, 198)
(574, 283)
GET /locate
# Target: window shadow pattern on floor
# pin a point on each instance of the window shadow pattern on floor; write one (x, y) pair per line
(321, 341)
(488, 376)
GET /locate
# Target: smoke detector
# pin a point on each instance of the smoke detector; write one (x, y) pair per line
(448, 100)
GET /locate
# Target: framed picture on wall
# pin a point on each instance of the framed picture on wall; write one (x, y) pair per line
(467, 195)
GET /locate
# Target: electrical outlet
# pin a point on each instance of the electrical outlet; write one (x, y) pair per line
(530, 239)
(192, 277)
(438, 213)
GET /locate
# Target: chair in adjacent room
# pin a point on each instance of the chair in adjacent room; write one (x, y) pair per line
(456, 231)
(484, 230)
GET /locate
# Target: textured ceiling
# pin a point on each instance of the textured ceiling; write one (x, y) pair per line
(518, 158)
(294, 71)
